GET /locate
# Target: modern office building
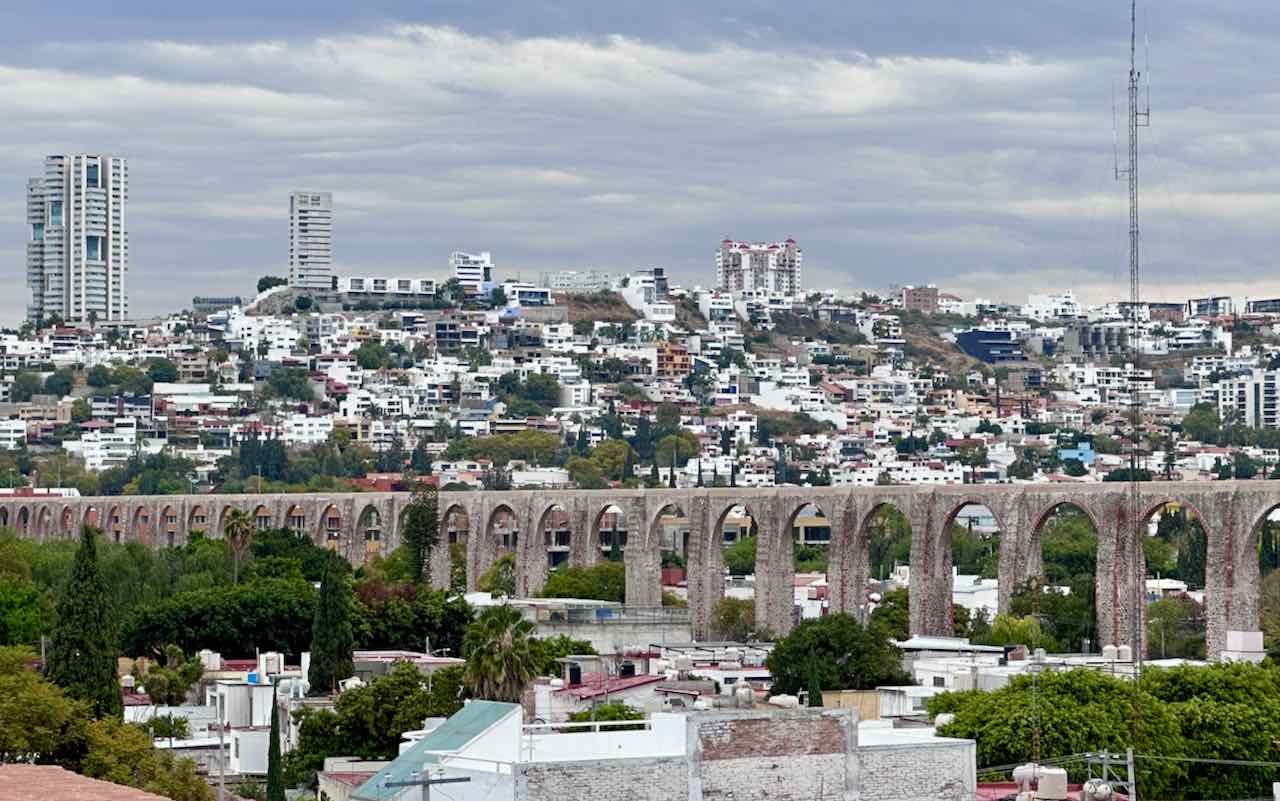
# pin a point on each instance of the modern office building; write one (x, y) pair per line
(1251, 399)
(311, 240)
(759, 266)
(577, 282)
(474, 271)
(78, 254)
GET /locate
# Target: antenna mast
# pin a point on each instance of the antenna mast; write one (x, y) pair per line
(1138, 118)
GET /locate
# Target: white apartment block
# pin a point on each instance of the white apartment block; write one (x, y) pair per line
(474, 271)
(78, 253)
(1250, 400)
(396, 287)
(577, 282)
(1046, 307)
(299, 429)
(773, 267)
(13, 434)
(311, 240)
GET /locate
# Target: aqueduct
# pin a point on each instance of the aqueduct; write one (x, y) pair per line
(578, 527)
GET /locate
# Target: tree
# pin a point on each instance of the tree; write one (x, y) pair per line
(676, 448)
(610, 712)
(268, 281)
(834, 652)
(500, 578)
(1175, 629)
(500, 655)
(275, 780)
(238, 531)
(1011, 630)
(82, 655)
(604, 581)
(740, 557)
(332, 640)
(422, 528)
(814, 689)
(733, 619)
(25, 384)
(169, 685)
(59, 383)
(120, 753)
(497, 297)
(1202, 423)
(302, 303)
(549, 650)
(162, 371)
(35, 716)
(99, 376)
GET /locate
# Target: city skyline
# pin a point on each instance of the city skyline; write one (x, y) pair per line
(980, 160)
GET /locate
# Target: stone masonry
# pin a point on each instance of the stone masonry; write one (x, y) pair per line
(360, 524)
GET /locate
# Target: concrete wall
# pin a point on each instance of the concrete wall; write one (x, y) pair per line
(1229, 510)
(612, 638)
(942, 771)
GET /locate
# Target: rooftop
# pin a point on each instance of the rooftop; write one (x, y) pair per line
(52, 783)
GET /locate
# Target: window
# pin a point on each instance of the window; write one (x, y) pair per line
(93, 248)
(91, 179)
(37, 232)
(55, 212)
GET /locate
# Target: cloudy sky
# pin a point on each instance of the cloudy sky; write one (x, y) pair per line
(967, 144)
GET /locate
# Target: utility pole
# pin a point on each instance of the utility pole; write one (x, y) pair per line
(1137, 119)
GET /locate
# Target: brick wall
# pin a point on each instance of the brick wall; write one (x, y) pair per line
(912, 772)
(818, 777)
(614, 780)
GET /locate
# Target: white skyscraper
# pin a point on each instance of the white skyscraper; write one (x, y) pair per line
(78, 256)
(311, 240)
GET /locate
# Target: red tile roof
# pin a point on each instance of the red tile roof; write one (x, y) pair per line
(52, 783)
(592, 687)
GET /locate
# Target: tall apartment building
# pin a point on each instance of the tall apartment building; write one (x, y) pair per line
(311, 240)
(1251, 399)
(923, 299)
(474, 271)
(773, 268)
(78, 254)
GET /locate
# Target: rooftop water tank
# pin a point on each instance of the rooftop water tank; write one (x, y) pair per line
(1110, 652)
(1125, 653)
(1052, 784)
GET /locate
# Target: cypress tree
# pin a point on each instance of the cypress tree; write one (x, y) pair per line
(275, 779)
(699, 470)
(628, 469)
(675, 447)
(331, 636)
(733, 474)
(82, 656)
(653, 473)
(815, 687)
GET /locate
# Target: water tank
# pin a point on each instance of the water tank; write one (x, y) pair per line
(1096, 790)
(627, 670)
(785, 701)
(1109, 652)
(1052, 784)
(1125, 653)
(659, 666)
(684, 663)
(127, 681)
(575, 674)
(1041, 655)
(557, 684)
(731, 655)
(744, 696)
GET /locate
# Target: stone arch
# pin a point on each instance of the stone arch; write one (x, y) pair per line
(227, 509)
(1057, 526)
(886, 541)
(198, 519)
(115, 523)
(67, 523)
(23, 521)
(169, 526)
(4, 515)
(671, 526)
(810, 531)
(734, 522)
(44, 522)
(609, 532)
(499, 537)
(1171, 610)
(329, 528)
(91, 516)
(369, 530)
(970, 546)
(140, 527)
(455, 530)
(295, 519)
(262, 519)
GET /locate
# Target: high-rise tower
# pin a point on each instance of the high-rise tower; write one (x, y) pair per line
(311, 240)
(78, 254)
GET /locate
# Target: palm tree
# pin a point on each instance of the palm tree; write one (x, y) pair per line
(499, 653)
(237, 531)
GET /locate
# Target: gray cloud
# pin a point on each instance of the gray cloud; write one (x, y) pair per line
(983, 165)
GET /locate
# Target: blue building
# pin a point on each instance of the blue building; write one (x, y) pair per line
(992, 347)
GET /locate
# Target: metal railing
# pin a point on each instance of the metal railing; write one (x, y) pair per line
(607, 615)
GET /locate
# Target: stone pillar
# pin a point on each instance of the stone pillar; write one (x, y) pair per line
(704, 565)
(847, 559)
(775, 568)
(531, 552)
(1021, 559)
(642, 558)
(1232, 580)
(931, 579)
(1115, 577)
(584, 550)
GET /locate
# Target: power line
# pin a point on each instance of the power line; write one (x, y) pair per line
(1245, 763)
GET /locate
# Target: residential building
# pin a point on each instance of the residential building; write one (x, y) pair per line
(772, 267)
(1053, 306)
(209, 305)
(474, 271)
(78, 252)
(577, 282)
(1250, 399)
(672, 361)
(1216, 306)
(388, 287)
(311, 240)
(992, 347)
(922, 299)
(13, 434)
